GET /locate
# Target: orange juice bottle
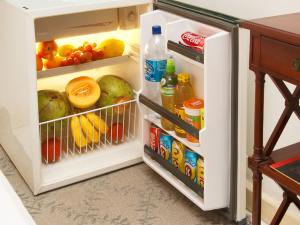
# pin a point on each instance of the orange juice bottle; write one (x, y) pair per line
(183, 92)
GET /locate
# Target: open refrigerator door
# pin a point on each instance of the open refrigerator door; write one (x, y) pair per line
(210, 73)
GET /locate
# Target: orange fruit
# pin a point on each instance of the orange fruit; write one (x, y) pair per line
(47, 49)
(53, 63)
(39, 63)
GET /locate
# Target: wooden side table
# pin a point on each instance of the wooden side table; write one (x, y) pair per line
(275, 50)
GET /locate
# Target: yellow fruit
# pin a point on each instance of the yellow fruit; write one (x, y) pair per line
(65, 50)
(83, 92)
(53, 62)
(112, 48)
(91, 133)
(97, 122)
(78, 135)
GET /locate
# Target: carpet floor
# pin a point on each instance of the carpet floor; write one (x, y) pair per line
(132, 196)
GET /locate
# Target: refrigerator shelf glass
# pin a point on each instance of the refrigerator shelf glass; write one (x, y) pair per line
(88, 131)
(82, 67)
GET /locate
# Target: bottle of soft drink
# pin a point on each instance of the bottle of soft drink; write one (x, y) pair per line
(168, 86)
(183, 92)
(155, 64)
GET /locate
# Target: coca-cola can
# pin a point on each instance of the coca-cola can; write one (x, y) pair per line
(154, 137)
(192, 40)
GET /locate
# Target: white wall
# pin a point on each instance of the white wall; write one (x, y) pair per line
(274, 103)
(248, 9)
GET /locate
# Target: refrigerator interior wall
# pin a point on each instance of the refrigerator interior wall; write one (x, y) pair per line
(211, 81)
(105, 154)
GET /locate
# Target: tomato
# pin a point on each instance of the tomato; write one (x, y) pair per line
(115, 132)
(53, 150)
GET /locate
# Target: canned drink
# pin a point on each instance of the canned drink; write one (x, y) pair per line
(190, 164)
(192, 109)
(193, 40)
(178, 150)
(154, 137)
(166, 146)
(200, 172)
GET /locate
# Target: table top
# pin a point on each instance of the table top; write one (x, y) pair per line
(12, 210)
(284, 27)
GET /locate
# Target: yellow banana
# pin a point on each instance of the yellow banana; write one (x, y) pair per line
(78, 135)
(97, 122)
(91, 133)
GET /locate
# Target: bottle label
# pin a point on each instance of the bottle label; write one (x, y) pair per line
(166, 89)
(154, 70)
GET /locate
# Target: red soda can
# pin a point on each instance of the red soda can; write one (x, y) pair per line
(192, 40)
(154, 137)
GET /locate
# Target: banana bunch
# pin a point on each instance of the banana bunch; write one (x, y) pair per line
(87, 129)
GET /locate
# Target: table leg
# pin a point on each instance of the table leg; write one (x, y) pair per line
(258, 147)
(281, 210)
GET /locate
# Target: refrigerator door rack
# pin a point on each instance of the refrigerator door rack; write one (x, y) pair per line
(184, 141)
(93, 130)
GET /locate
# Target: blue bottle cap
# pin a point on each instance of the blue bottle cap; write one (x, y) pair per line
(156, 29)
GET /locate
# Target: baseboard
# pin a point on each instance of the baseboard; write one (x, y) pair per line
(269, 209)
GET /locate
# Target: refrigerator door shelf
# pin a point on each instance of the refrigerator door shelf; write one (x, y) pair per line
(211, 82)
(175, 182)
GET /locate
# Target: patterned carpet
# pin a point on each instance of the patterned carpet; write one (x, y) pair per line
(133, 196)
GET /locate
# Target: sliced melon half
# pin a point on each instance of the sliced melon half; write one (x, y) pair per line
(83, 92)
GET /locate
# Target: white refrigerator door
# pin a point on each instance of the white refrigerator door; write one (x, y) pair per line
(211, 81)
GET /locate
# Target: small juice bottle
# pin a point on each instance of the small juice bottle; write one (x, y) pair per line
(183, 92)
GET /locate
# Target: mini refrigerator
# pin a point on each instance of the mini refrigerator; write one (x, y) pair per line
(214, 76)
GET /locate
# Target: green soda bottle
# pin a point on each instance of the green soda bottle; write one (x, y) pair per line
(167, 89)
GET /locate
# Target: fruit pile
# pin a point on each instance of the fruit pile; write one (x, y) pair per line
(82, 94)
(49, 55)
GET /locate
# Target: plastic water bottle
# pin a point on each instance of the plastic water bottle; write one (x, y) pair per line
(155, 64)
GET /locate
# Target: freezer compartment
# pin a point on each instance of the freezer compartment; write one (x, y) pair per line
(80, 23)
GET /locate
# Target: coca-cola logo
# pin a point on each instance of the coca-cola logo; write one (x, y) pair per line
(192, 39)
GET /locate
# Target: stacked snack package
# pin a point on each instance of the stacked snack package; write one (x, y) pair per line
(166, 146)
(200, 172)
(155, 138)
(178, 152)
(185, 160)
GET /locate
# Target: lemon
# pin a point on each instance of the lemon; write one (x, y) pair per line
(112, 47)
